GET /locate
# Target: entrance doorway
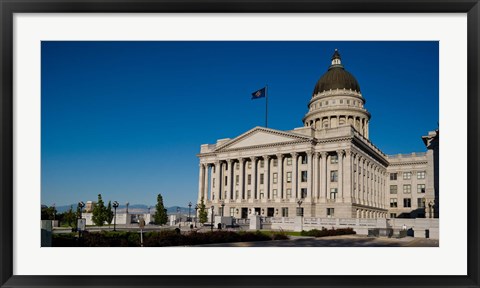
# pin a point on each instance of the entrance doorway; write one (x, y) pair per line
(257, 211)
(270, 212)
(244, 213)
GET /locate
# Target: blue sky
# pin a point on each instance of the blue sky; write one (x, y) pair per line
(126, 119)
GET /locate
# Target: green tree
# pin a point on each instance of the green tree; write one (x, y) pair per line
(98, 213)
(109, 213)
(48, 213)
(202, 212)
(70, 218)
(160, 216)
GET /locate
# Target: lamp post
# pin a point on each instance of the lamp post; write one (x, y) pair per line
(178, 214)
(127, 218)
(115, 206)
(149, 217)
(212, 218)
(189, 206)
(54, 211)
(299, 202)
(196, 213)
(223, 206)
(81, 205)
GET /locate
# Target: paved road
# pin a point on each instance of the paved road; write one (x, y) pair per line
(336, 241)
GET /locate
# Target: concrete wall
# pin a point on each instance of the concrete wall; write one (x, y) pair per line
(418, 226)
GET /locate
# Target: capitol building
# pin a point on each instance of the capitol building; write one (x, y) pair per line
(328, 168)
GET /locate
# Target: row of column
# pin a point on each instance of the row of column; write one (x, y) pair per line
(364, 185)
(359, 123)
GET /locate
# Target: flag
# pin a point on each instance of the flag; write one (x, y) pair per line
(259, 93)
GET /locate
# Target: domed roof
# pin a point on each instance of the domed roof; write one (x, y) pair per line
(336, 77)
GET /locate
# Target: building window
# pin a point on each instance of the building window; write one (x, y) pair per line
(330, 212)
(348, 102)
(289, 193)
(226, 180)
(274, 193)
(249, 165)
(232, 211)
(275, 178)
(333, 101)
(236, 194)
(289, 161)
(284, 212)
(261, 179)
(249, 179)
(341, 101)
(304, 159)
(326, 102)
(304, 193)
(289, 177)
(334, 159)
(249, 194)
(393, 203)
(333, 193)
(393, 189)
(261, 193)
(213, 182)
(393, 176)
(420, 188)
(262, 163)
(407, 175)
(354, 167)
(407, 202)
(275, 162)
(421, 175)
(304, 176)
(334, 176)
(237, 166)
(420, 203)
(393, 215)
(237, 178)
(407, 188)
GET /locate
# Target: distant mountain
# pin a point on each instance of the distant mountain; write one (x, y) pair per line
(134, 208)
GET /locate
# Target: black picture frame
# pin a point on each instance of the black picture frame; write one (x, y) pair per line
(9, 7)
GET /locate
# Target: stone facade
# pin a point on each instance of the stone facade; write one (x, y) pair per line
(326, 169)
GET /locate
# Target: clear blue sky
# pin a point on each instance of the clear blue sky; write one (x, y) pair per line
(126, 119)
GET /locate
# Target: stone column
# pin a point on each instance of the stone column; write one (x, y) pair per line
(309, 176)
(316, 175)
(280, 176)
(362, 182)
(254, 177)
(347, 185)
(266, 179)
(205, 181)
(241, 181)
(340, 175)
(294, 174)
(201, 175)
(323, 178)
(229, 179)
(218, 176)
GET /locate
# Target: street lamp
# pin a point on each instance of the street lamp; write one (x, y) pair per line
(212, 217)
(196, 213)
(223, 206)
(81, 205)
(189, 206)
(299, 213)
(178, 214)
(115, 206)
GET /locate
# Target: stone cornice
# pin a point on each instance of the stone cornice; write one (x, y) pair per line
(338, 111)
(301, 138)
(419, 162)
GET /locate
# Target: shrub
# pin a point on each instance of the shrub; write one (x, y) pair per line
(324, 232)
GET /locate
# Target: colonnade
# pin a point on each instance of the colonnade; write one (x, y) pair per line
(342, 176)
(333, 121)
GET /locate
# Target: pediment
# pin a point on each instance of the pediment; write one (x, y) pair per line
(260, 136)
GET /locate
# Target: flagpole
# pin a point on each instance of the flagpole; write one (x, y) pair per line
(266, 106)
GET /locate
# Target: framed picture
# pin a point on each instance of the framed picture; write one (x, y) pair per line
(60, 85)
